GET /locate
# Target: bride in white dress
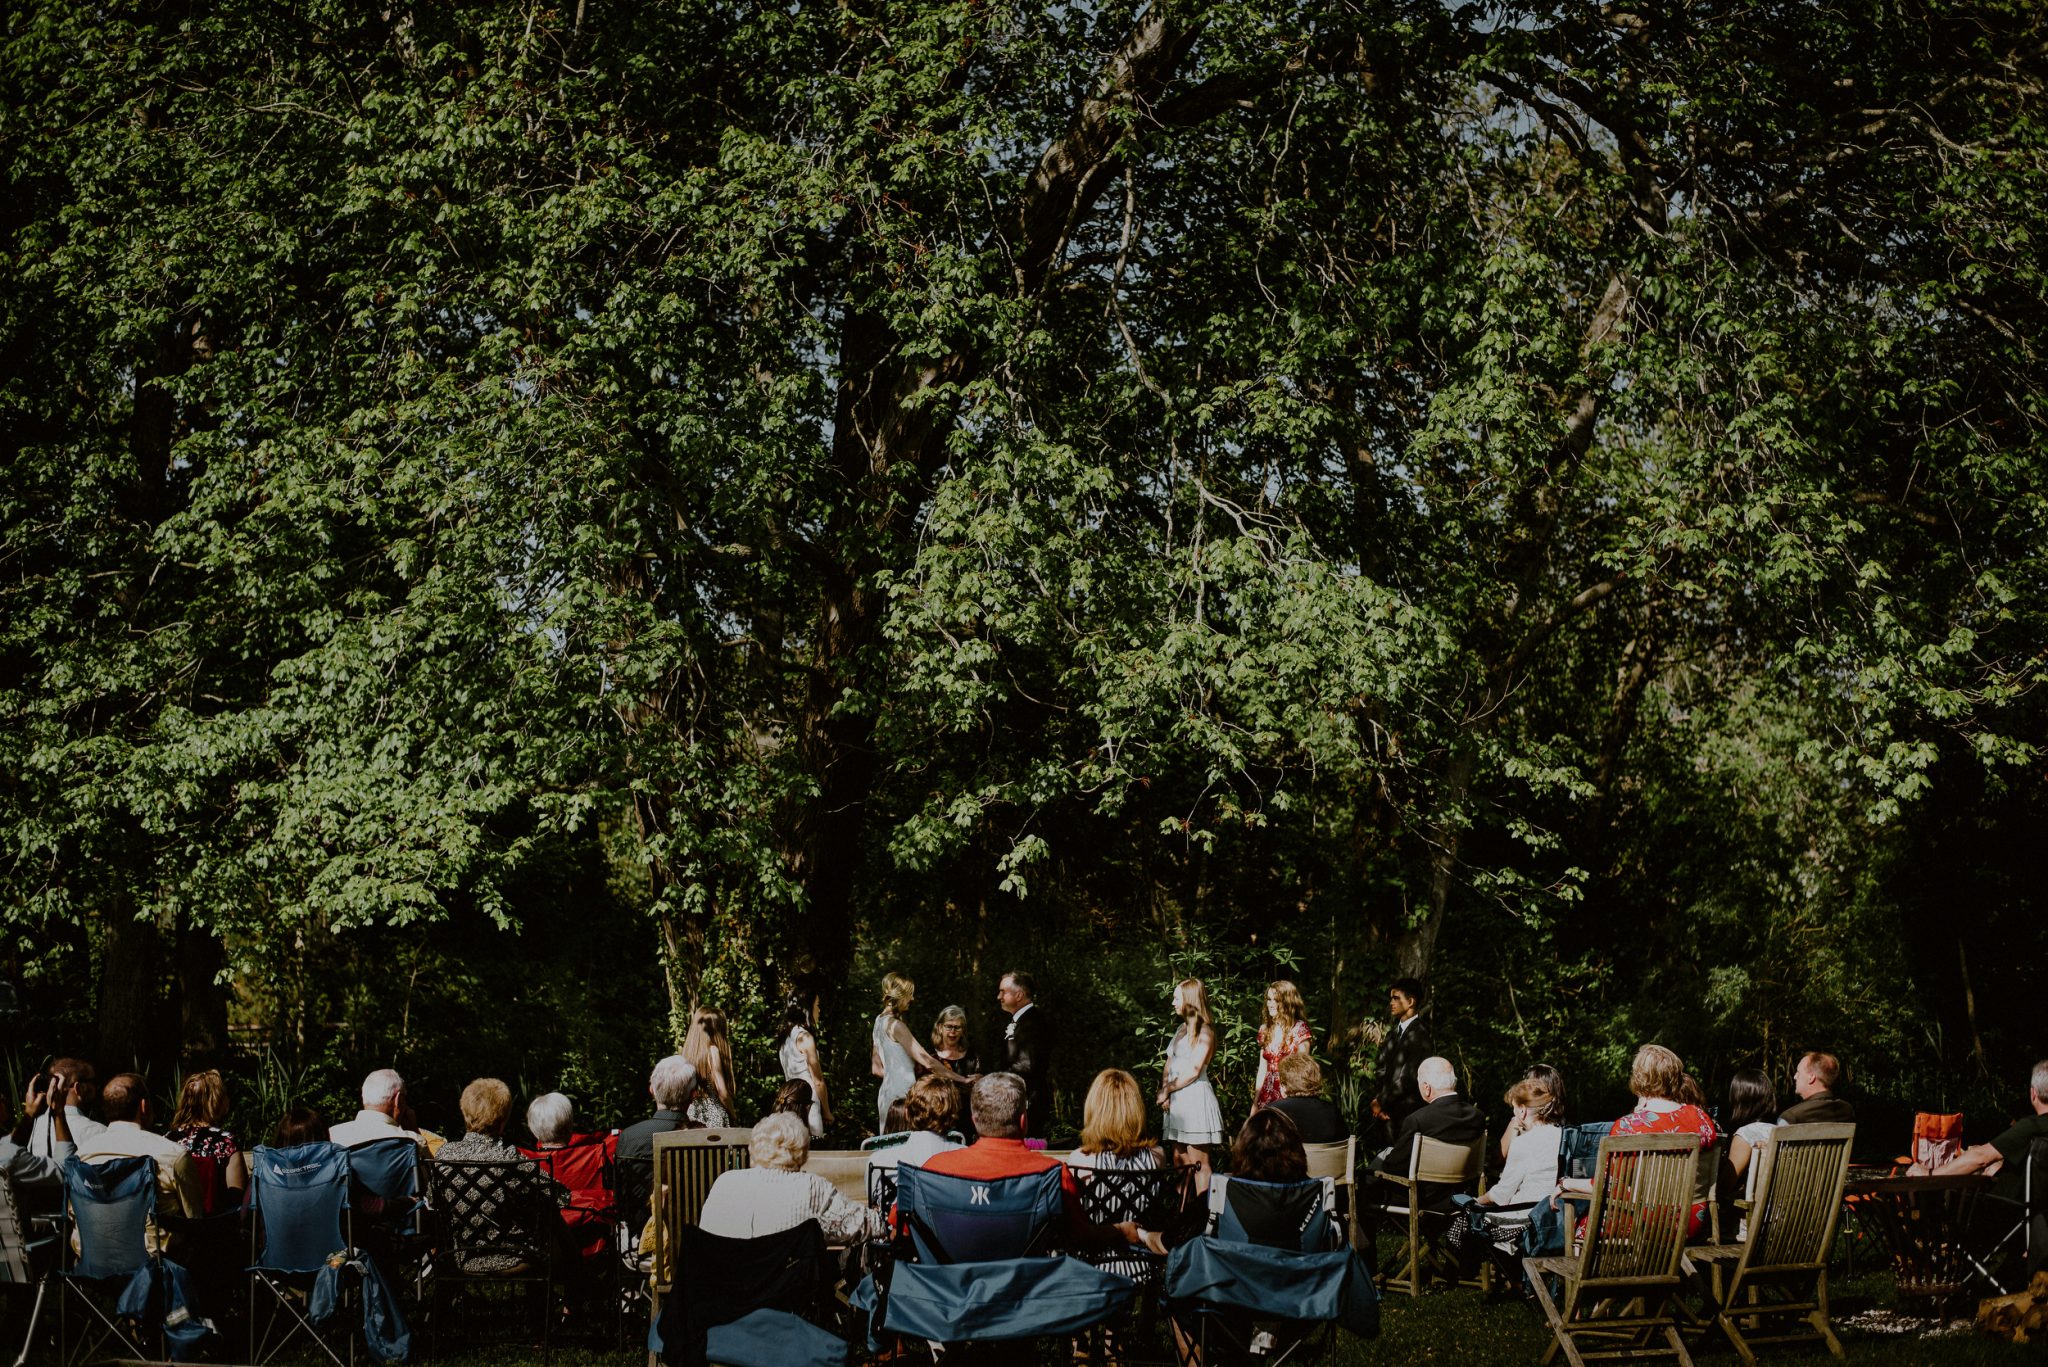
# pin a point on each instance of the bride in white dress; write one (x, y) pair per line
(1192, 1113)
(898, 1055)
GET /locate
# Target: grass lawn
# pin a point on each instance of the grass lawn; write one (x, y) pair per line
(1457, 1326)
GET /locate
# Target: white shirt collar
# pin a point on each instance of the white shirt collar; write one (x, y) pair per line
(1018, 1014)
(1406, 1021)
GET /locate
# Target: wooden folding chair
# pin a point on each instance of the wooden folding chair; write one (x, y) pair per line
(1431, 1163)
(845, 1169)
(1338, 1161)
(1780, 1271)
(1618, 1287)
(686, 1163)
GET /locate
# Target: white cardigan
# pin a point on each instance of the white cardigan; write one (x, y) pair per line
(1531, 1171)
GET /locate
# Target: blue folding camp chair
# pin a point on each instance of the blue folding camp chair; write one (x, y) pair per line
(300, 1197)
(1271, 1284)
(109, 1207)
(388, 1209)
(981, 1265)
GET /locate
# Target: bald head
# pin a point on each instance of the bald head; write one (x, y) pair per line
(125, 1097)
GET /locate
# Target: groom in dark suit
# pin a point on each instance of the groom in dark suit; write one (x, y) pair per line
(1407, 1044)
(1027, 1049)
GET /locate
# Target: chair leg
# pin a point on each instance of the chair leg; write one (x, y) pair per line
(28, 1340)
(1560, 1337)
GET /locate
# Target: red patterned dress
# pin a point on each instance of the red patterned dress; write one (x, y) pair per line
(1296, 1041)
(1653, 1115)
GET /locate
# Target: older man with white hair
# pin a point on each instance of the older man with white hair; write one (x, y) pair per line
(672, 1083)
(1443, 1115)
(381, 1115)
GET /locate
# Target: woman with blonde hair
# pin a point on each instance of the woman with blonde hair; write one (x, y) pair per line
(1185, 1094)
(709, 1051)
(1113, 1126)
(1283, 1033)
(200, 1125)
(897, 1054)
(1661, 1084)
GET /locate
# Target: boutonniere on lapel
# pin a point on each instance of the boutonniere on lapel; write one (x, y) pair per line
(1010, 1031)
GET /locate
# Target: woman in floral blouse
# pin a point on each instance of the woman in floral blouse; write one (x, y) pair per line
(200, 1125)
(1283, 1032)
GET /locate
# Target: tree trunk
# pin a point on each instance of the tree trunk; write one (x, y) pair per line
(1415, 945)
(202, 1005)
(131, 1024)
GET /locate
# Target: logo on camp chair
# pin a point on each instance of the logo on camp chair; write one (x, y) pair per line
(978, 1197)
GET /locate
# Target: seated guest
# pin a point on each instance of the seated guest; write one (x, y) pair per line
(1657, 1078)
(1113, 1126)
(550, 1119)
(1552, 1082)
(1814, 1079)
(125, 1103)
(1302, 1101)
(671, 1084)
(998, 1104)
(931, 1111)
(1444, 1115)
(381, 1115)
(1752, 1111)
(1267, 1149)
(200, 1125)
(1534, 1135)
(486, 1105)
(299, 1125)
(84, 1094)
(2004, 1157)
(775, 1194)
(18, 1160)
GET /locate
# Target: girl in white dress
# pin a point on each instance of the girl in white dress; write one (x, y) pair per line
(1192, 1113)
(797, 1052)
(897, 1054)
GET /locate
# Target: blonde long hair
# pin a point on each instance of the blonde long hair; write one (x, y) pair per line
(708, 1037)
(1113, 1117)
(1291, 1009)
(1194, 996)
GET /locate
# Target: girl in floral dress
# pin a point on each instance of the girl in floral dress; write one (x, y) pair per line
(1283, 1032)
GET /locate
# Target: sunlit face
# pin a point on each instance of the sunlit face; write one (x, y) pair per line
(950, 1032)
(1180, 1001)
(1008, 995)
(1805, 1079)
(1400, 1005)
(1272, 1004)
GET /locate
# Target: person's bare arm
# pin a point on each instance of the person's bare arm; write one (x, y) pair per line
(237, 1173)
(1984, 1158)
(875, 1061)
(923, 1057)
(809, 1050)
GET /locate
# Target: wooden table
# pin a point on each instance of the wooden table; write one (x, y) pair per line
(1924, 1224)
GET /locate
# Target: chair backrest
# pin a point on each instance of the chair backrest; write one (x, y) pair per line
(1937, 1138)
(719, 1280)
(1641, 1207)
(492, 1207)
(14, 1261)
(1447, 1164)
(846, 1170)
(686, 1163)
(1798, 1197)
(1153, 1198)
(111, 1204)
(300, 1194)
(388, 1169)
(1290, 1215)
(885, 1141)
(1337, 1160)
(587, 1166)
(979, 1219)
(1578, 1148)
